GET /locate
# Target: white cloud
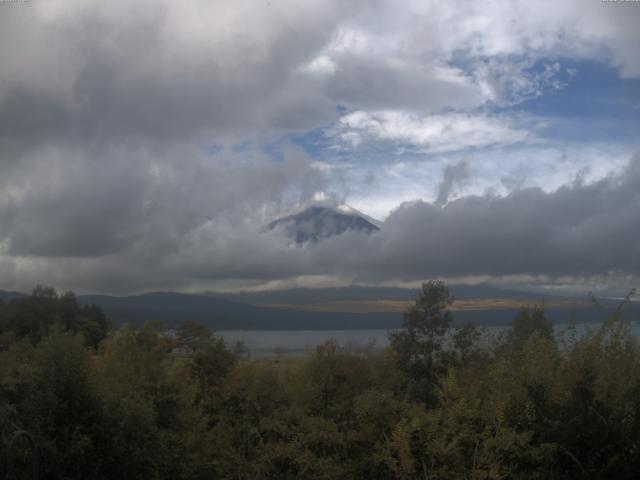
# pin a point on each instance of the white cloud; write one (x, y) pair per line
(433, 133)
(322, 65)
(500, 169)
(574, 28)
(495, 44)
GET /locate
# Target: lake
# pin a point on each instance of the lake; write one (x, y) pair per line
(266, 343)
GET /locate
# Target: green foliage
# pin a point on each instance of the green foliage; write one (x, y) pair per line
(419, 345)
(211, 360)
(465, 343)
(147, 405)
(48, 391)
(530, 321)
(193, 335)
(35, 316)
(438, 404)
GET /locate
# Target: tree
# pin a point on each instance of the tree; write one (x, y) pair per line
(60, 406)
(419, 345)
(211, 360)
(34, 317)
(193, 334)
(93, 324)
(211, 363)
(465, 340)
(527, 322)
(149, 405)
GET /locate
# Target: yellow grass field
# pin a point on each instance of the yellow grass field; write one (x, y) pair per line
(390, 306)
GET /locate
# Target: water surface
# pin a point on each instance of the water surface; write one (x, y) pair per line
(265, 343)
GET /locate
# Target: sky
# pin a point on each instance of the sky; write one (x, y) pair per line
(144, 145)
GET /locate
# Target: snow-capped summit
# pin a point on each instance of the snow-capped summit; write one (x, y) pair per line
(322, 220)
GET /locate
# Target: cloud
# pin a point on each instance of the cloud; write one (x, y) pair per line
(574, 28)
(161, 70)
(109, 111)
(432, 133)
(426, 56)
(579, 229)
(509, 81)
(192, 240)
(373, 83)
(74, 202)
(170, 70)
(452, 175)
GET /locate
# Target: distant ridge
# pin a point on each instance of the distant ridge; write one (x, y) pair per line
(7, 296)
(171, 308)
(247, 311)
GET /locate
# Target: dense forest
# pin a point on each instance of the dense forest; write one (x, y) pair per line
(439, 403)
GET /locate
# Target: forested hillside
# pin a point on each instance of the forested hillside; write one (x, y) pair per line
(437, 404)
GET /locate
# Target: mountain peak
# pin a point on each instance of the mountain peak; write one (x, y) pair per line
(321, 220)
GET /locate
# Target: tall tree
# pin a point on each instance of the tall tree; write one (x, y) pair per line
(419, 345)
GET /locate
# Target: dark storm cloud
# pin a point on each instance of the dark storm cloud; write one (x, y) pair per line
(201, 223)
(127, 199)
(579, 229)
(107, 113)
(132, 75)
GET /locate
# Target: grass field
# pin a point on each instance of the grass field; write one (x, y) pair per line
(390, 306)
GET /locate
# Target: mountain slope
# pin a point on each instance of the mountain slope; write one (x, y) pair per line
(249, 311)
(220, 314)
(317, 222)
(7, 296)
